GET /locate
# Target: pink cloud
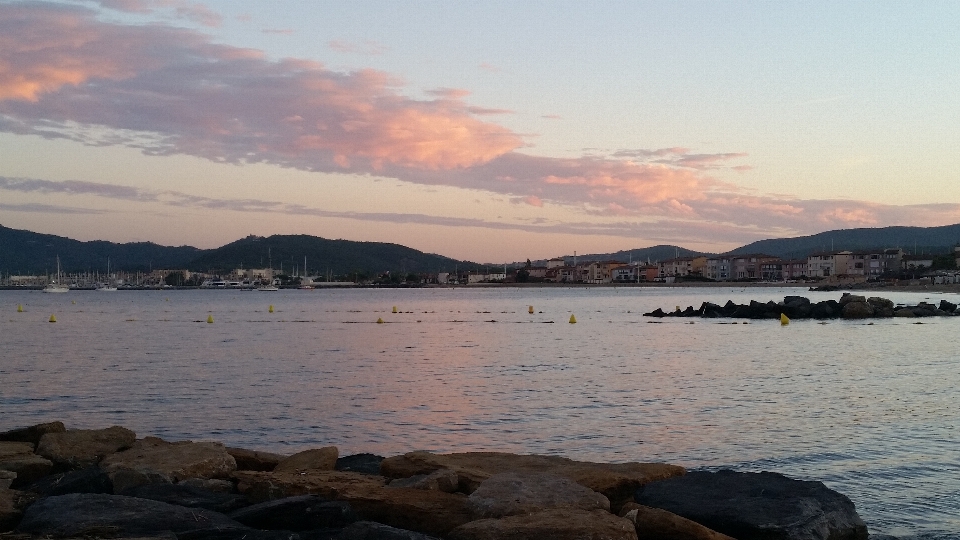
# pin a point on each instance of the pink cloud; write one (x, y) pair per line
(279, 31)
(66, 74)
(490, 68)
(366, 47)
(182, 9)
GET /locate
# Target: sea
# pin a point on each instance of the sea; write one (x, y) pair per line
(870, 408)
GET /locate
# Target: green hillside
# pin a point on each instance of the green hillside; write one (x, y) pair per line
(336, 256)
(26, 252)
(910, 239)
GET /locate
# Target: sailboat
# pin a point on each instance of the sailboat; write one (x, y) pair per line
(106, 287)
(56, 286)
(271, 287)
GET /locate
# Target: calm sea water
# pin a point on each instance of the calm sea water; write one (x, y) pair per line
(869, 409)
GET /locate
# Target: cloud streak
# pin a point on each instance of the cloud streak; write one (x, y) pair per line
(67, 74)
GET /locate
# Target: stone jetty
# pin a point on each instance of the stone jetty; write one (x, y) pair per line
(850, 306)
(108, 483)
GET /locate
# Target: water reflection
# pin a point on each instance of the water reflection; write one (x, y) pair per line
(869, 409)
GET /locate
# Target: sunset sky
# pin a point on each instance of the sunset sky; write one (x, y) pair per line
(488, 131)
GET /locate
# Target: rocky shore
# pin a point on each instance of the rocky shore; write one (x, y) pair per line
(108, 483)
(850, 306)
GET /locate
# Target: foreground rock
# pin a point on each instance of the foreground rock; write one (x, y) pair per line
(654, 523)
(32, 434)
(254, 460)
(616, 481)
(371, 530)
(114, 515)
(79, 448)
(12, 503)
(317, 459)
(798, 307)
(189, 496)
(555, 524)
(761, 506)
(18, 458)
(427, 511)
(518, 493)
(153, 460)
(301, 513)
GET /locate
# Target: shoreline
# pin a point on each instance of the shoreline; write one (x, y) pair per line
(81, 483)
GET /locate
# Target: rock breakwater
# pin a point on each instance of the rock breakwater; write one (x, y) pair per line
(60, 483)
(850, 306)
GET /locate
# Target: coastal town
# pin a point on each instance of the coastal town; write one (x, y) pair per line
(844, 267)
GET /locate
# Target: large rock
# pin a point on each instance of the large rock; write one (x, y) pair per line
(189, 496)
(12, 503)
(857, 310)
(265, 486)
(18, 457)
(371, 530)
(32, 434)
(151, 460)
(555, 524)
(85, 514)
(78, 448)
(365, 463)
(617, 481)
(760, 506)
(254, 460)
(317, 459)
(301, 513)
(432, 512)
(88, 480)
(657, 524)
(440, 480)
(516, 493)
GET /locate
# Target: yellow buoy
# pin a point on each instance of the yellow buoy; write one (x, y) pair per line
(271, 308)
(210, 319)
(19, 308)
(379, 320)
(530, 310)
(573, 320)
(73, 301)
(394, 309)
(784, 320)
(53, 318)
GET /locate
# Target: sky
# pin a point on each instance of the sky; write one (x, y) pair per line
(486, 130)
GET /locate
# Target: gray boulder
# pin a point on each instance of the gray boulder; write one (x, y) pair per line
(439, 480)
(88, 514)
(757, 506)
(189, 496)
(370, 530)
(79, 448)
(299, 513)
(88, 480)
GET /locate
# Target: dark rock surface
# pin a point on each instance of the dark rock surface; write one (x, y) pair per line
(799, 307)
(189, 496)
(362, 463)
(300, 513)
(88, 514)
(88, 480)
(757, 506)
(370, 530)
(32, 434)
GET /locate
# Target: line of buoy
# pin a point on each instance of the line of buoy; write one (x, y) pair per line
(573, 320)
(379, 320)
(394, 309)
(19, 308)
(53, 318)
(210, 319)
(530, 310)
(784, 320)
(271, 308)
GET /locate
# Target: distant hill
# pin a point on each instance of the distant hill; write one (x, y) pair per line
(910, 239)
(652, 253)
(337, 256)
(26, 252)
